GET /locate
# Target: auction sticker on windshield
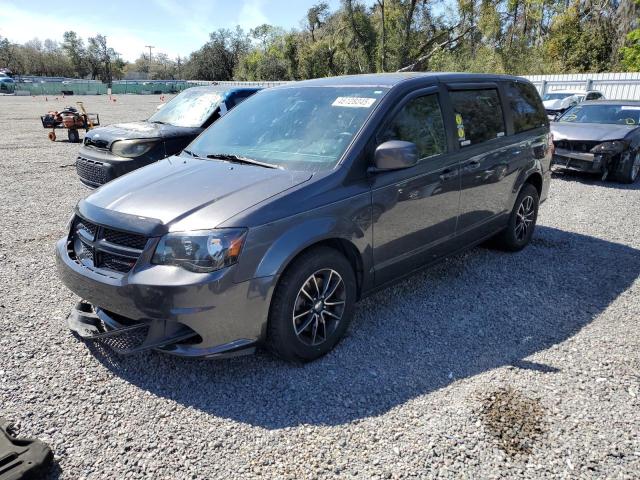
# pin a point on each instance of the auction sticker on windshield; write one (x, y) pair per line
(355, 102)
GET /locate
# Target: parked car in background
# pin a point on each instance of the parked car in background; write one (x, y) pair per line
(111, 151)
(559, 101)
(271, 224)
(7, 84)
(600, 137)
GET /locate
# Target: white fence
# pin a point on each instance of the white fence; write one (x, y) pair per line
(619, 86)
(233, 83)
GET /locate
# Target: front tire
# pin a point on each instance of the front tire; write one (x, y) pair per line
(312, 305)
(522, 221)
(631, 169)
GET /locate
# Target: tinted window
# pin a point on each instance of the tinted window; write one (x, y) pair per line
(525, 106)
(420, 122)
(238, 98)
(478, 115)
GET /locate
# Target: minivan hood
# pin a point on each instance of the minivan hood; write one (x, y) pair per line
(103, 137)
(190, 194)
(589, 131)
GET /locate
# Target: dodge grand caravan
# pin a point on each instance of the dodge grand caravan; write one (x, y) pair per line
(305, 198)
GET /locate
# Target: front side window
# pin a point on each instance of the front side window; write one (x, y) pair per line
(478, 115)
(420, 122)
(526, 107)
(294, 128)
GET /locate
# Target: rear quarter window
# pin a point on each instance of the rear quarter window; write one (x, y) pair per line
(526, 107)
(478, 115)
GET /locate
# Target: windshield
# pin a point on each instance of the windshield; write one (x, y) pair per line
(557, 96)
(611, 114)
(189, 109)
(296, 128)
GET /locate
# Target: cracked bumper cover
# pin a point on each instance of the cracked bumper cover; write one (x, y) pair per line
(176, 311)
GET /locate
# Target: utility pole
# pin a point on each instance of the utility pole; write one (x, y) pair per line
(149, 47)
(107, 60)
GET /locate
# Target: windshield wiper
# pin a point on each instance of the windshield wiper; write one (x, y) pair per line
(189, 152)
(160, 122)
(239, 159)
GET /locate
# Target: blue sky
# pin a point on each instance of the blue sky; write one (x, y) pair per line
(174, 27)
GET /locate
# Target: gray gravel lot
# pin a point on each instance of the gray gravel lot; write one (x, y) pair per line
(490, 365)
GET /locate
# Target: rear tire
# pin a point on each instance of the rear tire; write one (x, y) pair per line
(631, 169)
(312, 305)
(522, 221)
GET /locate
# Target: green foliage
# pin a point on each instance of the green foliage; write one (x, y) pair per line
(220, 56)
(360, 36)
(578, 45)
(631, 52)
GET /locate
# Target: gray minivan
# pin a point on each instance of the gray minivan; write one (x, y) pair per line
(302, 200)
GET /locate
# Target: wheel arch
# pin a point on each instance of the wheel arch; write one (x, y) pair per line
(535, 179)
(346, 248)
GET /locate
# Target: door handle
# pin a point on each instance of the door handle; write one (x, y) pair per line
(448, 174)
(473, 164)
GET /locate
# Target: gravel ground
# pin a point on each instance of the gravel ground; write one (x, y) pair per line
(490, 365)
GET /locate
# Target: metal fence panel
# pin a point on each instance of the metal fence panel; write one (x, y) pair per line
(618, 86)
(46, 86)
(613, 85)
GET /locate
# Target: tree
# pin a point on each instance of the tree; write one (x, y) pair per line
(218, 58)
(75, 50)
(631, 52)
(100, 58)
(316, 17)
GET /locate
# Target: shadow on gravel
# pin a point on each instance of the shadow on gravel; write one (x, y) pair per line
(472, 313)
(593, 179)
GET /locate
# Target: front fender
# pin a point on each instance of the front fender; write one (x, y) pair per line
(271, 247)
(301, 237)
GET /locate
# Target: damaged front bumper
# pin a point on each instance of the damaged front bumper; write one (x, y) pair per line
(580, 161)
(167, 309)
(597, 161)
(97, 325)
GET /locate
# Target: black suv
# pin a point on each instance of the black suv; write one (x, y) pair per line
(305, 198)
(114, 150)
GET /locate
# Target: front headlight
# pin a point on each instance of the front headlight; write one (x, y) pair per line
(616, 146)
(132, 148)
(200, 251)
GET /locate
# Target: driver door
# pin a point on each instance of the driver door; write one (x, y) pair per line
(415, 209)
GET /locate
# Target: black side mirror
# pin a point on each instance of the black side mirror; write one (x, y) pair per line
(395, 154)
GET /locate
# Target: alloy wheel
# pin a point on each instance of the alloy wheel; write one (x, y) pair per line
(319, 307)
(524, 218)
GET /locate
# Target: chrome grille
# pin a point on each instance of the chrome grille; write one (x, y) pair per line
(99, 247)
